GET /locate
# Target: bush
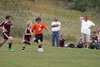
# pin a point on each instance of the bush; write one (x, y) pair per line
(83, 5)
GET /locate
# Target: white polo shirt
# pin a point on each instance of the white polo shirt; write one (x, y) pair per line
(56, 28)
(85, 28)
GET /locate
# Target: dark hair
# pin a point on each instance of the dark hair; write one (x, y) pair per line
(94, 32)
(38, 18)
(7, 17)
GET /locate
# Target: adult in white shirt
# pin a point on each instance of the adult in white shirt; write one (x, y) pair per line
(55, 32)
(86, 27)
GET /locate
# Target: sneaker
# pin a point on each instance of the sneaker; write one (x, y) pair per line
(10, 49)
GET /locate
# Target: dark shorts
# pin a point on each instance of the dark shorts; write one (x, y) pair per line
(38, 37)
(6, 36)
(27, 42)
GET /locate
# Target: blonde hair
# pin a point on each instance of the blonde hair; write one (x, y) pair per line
(28, 23)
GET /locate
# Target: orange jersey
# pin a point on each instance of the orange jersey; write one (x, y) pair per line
(38, 28)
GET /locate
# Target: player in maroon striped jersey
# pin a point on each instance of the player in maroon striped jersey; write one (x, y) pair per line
(5, 26)
(27, 35)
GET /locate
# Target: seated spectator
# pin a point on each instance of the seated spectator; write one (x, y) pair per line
(94, 40)
(98, 46)
(99, 35)
(94, 37)
(62, 40)
(80, 43)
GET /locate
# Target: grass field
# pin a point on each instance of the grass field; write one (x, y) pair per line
(52, 57)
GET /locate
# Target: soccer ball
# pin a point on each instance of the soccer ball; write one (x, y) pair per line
(40, 50)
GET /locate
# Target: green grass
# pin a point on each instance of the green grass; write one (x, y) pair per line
(52, 57)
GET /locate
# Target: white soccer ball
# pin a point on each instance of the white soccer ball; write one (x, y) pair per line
(40, 50)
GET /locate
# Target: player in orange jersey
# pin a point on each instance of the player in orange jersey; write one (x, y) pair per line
(38, 27)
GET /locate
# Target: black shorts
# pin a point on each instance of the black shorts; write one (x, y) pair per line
(6, 36)
(27, 42)
(38, 37)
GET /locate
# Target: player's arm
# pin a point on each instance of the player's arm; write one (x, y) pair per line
(1, 28)
(28, 34)
(31, 35)
(47, 28)
(49, 31)
(12, 26)
(33, 27)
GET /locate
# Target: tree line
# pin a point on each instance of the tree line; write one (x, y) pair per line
(84, 5)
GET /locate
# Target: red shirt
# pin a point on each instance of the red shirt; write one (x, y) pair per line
(38, 28)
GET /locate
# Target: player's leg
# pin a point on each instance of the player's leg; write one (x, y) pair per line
(10, 43)
(40, 40)
(5, 38)
(39, 44)
(2, 42)
(40, 49)
(24, 46)
(25, 43)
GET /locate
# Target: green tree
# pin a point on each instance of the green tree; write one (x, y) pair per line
(83, 5)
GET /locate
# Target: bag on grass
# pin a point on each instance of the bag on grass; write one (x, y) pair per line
(80, 45)
(93, 45)
(98, 46)
(71, 45)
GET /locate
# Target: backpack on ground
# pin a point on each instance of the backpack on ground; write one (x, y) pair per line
(71, 45)
(80, 43)
(98, 46)
(93, 45)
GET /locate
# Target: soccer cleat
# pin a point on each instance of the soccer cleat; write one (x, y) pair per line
(10, 49)
(23, 48)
